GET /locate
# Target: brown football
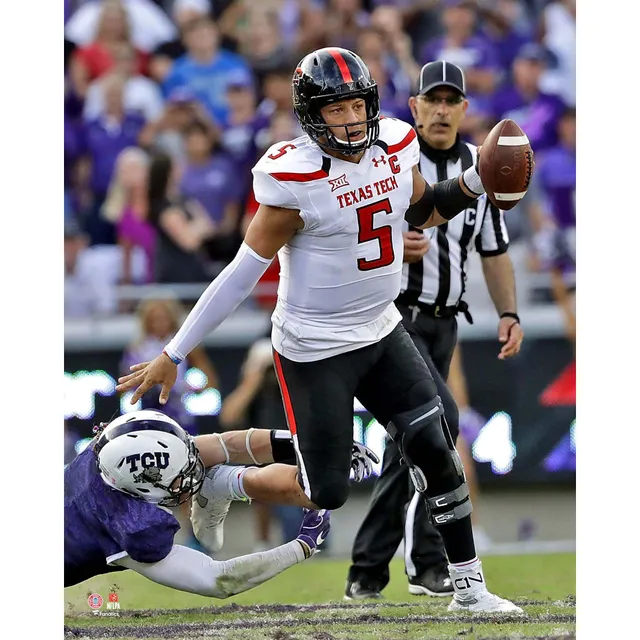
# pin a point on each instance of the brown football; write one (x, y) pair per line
(506, 164)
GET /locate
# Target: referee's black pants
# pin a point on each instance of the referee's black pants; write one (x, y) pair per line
(395, 511)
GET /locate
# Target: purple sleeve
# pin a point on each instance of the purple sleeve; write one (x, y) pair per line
(143, 530)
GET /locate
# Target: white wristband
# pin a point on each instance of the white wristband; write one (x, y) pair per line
(248, 446)
(472, 181)
(224, 447)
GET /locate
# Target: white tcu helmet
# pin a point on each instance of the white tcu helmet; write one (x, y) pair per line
(150, 456)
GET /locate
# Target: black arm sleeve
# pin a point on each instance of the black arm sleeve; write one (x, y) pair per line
(447, 197)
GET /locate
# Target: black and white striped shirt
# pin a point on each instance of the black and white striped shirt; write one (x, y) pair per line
(439, 278)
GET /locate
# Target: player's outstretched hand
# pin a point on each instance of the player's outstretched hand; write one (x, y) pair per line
(313, 530)
(362, 461)
(145, 375)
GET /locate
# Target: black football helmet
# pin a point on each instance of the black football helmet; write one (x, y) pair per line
(330, 75)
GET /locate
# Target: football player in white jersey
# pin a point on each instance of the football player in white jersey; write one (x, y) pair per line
(332, 206)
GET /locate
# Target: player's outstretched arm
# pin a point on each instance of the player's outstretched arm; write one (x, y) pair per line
(265, 446)
(189, 570)
(431, 206)
(270, 229)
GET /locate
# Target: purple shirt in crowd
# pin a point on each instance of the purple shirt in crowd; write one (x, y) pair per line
(478, 52)
(556, 175)
(214, 184)
(538, 118)
(101, 522)
(73, 146)
(556, 170)
(104, 140)
(139, 233)
(508, 46)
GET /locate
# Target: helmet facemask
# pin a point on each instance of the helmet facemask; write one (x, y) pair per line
(321, 132)
(187, 483)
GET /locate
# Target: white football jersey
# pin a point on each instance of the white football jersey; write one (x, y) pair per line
(340, 274)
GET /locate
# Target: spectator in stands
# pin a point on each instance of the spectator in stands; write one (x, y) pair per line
(536, 112)
(241, 130)
(386, 40)
(183, 13)
(94, 60)
(140, 93)
(182, 227)
(276, 91)
(343, 21)
(73, 152)
(210, 177)
(158, 321)
(126, 207)
(507, 24)
(557, 32)
(556, 169)
(149, 25)
(391, 105)
(301, 22)
(262, 43)
(471, 50)
(103, 139)
(167, 133)
(91, 274)
(205, 68)
(463, 45)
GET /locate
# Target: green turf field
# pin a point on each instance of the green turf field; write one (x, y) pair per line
(305, 603)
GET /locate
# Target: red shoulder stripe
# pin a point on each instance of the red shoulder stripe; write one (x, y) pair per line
(406, 141)
(285, 176)
(299, 177)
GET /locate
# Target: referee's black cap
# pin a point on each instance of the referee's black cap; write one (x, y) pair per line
(441, 74)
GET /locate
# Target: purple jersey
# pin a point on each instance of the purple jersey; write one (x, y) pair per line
(213, 184)
(104, 140)
(478, 52)
(102, 524)
(537, 118)
(556, 170)
(557, 175)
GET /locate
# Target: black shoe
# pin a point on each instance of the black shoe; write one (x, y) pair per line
(361, 591)
(433, 582)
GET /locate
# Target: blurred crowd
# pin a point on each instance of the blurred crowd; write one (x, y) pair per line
(169, 103)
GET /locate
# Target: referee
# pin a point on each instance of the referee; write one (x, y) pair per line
(433, 284)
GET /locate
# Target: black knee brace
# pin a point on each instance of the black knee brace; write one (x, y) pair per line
(434, 464)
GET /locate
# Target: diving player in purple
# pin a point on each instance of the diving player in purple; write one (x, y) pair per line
(119, 491)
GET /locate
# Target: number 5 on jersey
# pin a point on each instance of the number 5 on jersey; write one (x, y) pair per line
(367, 232)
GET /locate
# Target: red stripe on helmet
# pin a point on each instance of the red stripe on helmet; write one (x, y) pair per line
(342, 65)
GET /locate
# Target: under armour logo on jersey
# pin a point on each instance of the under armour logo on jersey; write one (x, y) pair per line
(336, 183)
(377, 161)
(158, 459)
